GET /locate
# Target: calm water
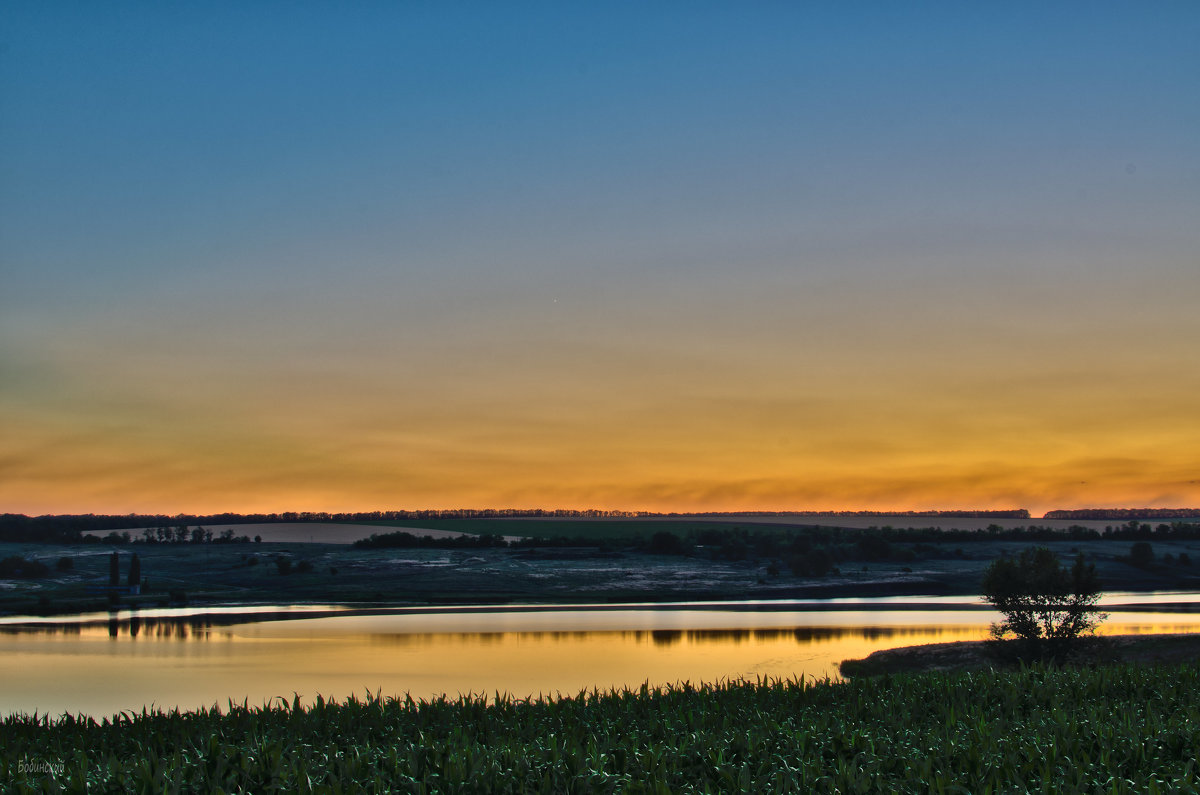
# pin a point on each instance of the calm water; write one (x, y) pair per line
(102, 664)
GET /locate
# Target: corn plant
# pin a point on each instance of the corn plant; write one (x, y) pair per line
(1037, 729)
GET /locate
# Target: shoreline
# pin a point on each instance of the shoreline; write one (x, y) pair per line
(815, 598)
(1144, 649)
(802, 598)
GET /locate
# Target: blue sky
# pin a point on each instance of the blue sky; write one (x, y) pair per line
(450, 253)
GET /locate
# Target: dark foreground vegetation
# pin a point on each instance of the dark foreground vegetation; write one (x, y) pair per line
(1105, 729)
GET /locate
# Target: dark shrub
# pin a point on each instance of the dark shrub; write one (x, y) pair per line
(665, 542)
(1141, 554)
(1043, 602)
(15, 567)
(816, 563)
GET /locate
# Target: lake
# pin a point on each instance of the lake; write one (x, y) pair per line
(100, 664)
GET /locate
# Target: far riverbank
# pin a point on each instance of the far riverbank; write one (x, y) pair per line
(74, 577)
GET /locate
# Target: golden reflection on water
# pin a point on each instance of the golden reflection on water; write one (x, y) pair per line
(133, 661)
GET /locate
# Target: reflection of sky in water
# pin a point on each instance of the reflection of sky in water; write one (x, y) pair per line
(760, 608)
(200, 657)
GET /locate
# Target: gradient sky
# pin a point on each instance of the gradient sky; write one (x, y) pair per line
(663, 256)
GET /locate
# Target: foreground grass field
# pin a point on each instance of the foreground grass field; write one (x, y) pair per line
(1105, 729)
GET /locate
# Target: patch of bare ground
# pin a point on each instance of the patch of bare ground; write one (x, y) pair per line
(967, 655)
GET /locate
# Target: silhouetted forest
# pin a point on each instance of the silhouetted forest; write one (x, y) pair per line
(1125, 514)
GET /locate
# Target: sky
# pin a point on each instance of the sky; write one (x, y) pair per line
(640, 256)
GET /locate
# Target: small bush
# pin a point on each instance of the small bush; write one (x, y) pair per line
(1141, 554)
(665, 542)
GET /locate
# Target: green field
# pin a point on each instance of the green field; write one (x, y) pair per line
(1108, 729)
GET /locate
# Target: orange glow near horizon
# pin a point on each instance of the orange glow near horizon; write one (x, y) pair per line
(675, 445)
(695, 425)
(790, 258)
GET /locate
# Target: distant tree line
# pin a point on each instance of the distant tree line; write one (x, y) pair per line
(1015, 513)
(67, 528)
(805, 549)
(183, 534)
(403, 540)
(1124, 514)
(169, 535)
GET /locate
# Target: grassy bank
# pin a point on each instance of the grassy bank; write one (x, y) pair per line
(1111, 729)
(971, 655)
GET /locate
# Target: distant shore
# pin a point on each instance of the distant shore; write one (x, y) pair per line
(575, 560)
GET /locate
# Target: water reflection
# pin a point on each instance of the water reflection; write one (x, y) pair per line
(195, 627)
(664, 637)
(391, 626)
(202, 628)
(126, 660)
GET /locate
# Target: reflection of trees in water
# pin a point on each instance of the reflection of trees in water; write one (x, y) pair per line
(800, 635)
(181, 627)
(666, 637)
(669, 637)
(199, 627)
(163, 628)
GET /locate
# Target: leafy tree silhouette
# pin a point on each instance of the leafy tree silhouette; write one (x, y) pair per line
(1044, 604)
